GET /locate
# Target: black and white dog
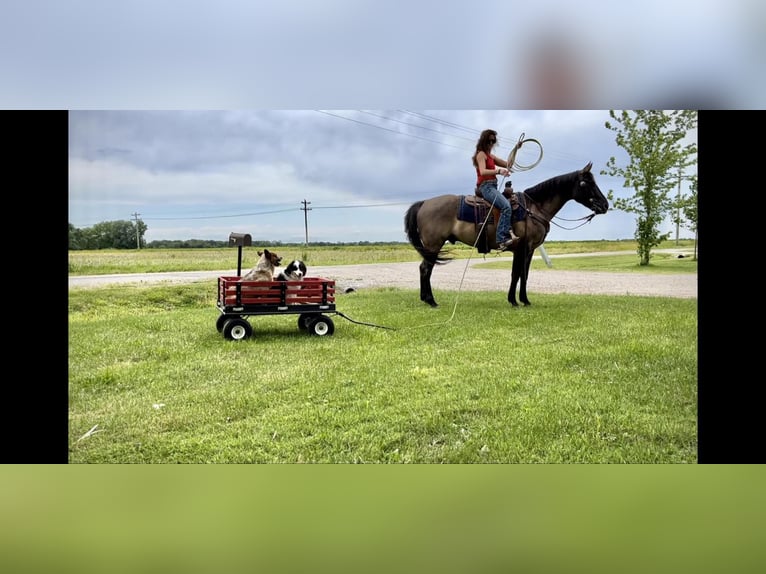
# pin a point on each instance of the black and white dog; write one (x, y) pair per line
(295, 271)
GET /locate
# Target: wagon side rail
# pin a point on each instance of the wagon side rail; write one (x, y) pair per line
(237, 296)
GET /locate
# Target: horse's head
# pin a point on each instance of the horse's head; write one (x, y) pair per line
(587, 192)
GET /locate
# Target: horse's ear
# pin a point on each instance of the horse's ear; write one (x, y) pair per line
(587, 167)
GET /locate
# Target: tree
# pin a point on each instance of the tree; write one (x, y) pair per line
(75, 238)
(689, 209)
(652, 140)
(109, 235)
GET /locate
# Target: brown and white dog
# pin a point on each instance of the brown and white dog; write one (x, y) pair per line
(264, 268)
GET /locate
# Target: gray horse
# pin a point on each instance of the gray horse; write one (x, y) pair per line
(432, 222)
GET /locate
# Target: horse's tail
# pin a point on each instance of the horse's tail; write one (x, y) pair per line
(413, 234)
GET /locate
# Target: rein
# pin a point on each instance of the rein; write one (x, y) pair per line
(550, 219)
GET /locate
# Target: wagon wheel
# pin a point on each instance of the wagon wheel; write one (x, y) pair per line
(237, 329)
(321, 326)
(304, 319)
(220, 321)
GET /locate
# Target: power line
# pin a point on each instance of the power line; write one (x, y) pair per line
(414, 125)
(220, 216)
(440, 121)
(364, 205)
(388, 129)
(549, 153)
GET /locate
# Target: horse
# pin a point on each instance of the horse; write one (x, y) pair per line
(430, 223)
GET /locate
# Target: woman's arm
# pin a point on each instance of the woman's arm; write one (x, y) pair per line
(481, 159)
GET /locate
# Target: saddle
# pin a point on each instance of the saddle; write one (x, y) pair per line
(474, 209)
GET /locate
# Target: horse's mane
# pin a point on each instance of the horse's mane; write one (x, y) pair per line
(550, 187)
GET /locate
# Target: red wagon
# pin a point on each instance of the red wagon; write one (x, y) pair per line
(312, 299)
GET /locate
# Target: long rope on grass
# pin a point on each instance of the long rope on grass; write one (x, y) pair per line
(366, 324)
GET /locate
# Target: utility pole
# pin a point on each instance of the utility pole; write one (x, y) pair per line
(306, 218)
(138, 240)
(678, 204)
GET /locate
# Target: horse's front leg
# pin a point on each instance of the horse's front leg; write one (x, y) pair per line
(524, 276)
(514, 281)
(426, 295)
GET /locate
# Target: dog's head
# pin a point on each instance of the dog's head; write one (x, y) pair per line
(295, 271)
(269, 259)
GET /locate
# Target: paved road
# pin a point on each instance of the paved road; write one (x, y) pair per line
(456, 275)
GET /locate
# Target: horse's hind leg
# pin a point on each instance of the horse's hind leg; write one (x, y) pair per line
(426, 294)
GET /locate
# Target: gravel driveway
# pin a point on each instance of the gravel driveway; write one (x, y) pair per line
(457, 274)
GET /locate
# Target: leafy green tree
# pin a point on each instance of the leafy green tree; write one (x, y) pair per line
(689, 209)
(652, 140)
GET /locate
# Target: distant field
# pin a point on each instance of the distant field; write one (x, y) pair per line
(106, 261)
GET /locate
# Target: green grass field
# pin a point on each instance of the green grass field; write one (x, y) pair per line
(571, 379)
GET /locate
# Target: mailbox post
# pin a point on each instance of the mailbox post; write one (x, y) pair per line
(240, 240)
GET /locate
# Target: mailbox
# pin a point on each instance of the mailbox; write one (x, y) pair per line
(240, 239)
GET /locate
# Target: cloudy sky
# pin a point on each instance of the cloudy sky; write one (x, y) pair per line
(204, 174)
(306, 54)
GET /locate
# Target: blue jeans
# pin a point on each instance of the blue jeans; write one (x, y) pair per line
(489, 191)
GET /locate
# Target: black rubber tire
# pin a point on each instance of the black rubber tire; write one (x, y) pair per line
(220, 321)
(237, 329)
(321, 326)
(304, 319)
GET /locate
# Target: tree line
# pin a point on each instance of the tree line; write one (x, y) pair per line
(124, 234)
(108, 235)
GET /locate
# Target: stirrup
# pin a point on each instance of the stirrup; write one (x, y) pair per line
(504, 245)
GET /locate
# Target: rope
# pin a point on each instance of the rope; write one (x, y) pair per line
(513, 166)
(367, 324)
(511, 161)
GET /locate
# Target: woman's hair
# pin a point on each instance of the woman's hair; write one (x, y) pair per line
(484, 144)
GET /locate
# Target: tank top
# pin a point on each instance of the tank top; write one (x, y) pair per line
(482, 178)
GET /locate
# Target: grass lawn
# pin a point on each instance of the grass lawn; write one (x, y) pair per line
(591, 379)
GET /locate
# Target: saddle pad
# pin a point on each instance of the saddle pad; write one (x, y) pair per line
(474, 212)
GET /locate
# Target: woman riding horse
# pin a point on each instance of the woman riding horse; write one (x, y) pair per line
(430, 223)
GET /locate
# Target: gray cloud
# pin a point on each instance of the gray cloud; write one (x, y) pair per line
(204, 174)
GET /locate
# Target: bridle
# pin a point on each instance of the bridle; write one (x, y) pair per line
(546, 219)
